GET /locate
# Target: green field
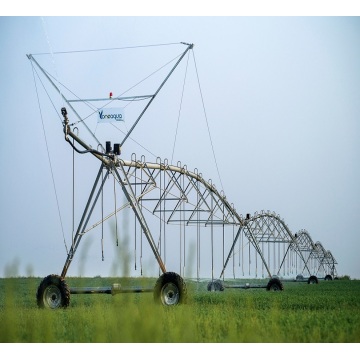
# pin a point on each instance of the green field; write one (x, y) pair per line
(302, 313)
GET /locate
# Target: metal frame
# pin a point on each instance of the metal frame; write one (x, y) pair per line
(184, 198)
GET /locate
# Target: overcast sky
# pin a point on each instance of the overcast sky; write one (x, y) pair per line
(282, 103)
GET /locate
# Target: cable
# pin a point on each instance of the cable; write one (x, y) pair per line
(132, 87)
(182, 96)
(51, 169)
(207, 123)
(135, 141)
(34, 70)
(106, 49)
(52, 54)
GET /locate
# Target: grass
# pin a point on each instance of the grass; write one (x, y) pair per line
(327, 312)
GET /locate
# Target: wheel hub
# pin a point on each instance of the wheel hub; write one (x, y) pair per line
(52, 297)
(170, 294)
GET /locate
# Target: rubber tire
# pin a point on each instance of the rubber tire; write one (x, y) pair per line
(53, 293)
(313, 280)
(274, 284)
(328, 278)
(299, 277)
(170, 289)
(215, 285)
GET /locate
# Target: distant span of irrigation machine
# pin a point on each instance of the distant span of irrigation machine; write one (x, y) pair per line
(183, 202)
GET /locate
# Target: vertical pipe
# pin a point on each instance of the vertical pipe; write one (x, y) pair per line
(135, 223)
(116, 222)
(212, 240)
(164, 218)
(249, 258)
(160, 207)
(180, 244)
(278, 265)
(256, 265)
(274, 266)
(284, 272)
(197, 233)
(141, 232)
(233, 254)
(184, 225)
(223, 239)
(262, 264)
(269, 262)
(73, 194)
(242, 253)
(102, 217)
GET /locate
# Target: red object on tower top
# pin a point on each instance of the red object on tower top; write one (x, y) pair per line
(111, 94)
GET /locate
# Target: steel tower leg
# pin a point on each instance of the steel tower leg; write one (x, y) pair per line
(84, 219)
(130, 196)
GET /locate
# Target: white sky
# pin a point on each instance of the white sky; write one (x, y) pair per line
(281, 97)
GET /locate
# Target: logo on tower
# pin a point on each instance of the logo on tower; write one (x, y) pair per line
(111, 114)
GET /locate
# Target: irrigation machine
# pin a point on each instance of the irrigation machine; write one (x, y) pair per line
(170, 202)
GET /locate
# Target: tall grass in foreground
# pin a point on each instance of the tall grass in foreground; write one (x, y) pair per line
(327, 312)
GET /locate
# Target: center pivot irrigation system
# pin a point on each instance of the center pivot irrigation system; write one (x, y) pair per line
(176, 211)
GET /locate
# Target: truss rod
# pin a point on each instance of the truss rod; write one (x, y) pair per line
(190, 46)
(231, 250)
(113, 98)
(84, 219)
(130, 196)
(31, 58)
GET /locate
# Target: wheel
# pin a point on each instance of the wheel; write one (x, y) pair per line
(53, 293)
(215, 285)
(274, 284)
(313, 280)
(170, 289)
(299, 277)
(328, 277)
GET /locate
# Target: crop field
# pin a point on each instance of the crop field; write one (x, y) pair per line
(302, 313)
